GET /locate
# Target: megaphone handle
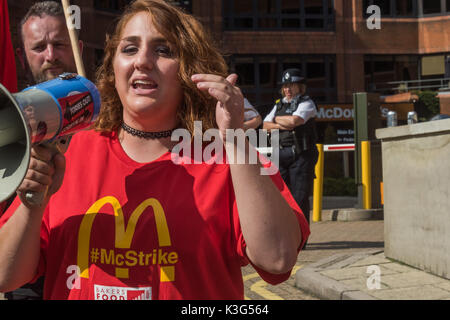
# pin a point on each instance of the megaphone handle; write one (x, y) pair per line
(36, 198)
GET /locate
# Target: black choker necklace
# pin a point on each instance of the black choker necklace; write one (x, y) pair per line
(146, 135)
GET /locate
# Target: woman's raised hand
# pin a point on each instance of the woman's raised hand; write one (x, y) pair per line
(230, 101)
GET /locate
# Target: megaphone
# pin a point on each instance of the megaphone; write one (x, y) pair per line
(44, 113)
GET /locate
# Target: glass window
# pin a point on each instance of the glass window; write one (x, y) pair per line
(111, 5)
(431, 6)
(393, 8)
(279, 14)
(381, 69)
(385, 6)
(290, 23)
(404, 7)
(332, 75)
(268, 72)
(266, 6)
(245, 69)
(314, 23)
(313, 7)
(330, 6)
(267, 23)
(290, 6)
(119, 5)
(406, 68)
(294, 62)
(184, 4)
(366, 4)
(383, 65)
(241, 7)
(315, 77)
(259, 77)
(368, 67)
(243, 23)
(227, 22)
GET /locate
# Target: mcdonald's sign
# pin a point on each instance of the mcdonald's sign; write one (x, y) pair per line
(123, 237)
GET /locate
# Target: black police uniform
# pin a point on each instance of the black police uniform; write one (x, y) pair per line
(298, 151)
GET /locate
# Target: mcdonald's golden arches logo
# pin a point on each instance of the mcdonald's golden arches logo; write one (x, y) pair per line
(123, 237)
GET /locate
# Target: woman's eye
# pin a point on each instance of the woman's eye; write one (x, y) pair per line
(164, 50)
(129, 50)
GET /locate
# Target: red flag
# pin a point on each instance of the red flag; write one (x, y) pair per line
(8, 76)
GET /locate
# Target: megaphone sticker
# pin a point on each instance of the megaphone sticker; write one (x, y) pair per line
(77, 110)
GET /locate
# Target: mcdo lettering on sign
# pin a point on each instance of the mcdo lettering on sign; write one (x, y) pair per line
(336, 113)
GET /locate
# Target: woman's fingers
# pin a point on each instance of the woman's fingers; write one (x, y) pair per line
(232, 78)
(230, 106)
(206, 81)
(218, 91)
(42, 153)
(45, 172)
(45, 179)
(214, 85)
(40, 170)
(31, 186)
(41, 166)
(220, 88)
(207, 77)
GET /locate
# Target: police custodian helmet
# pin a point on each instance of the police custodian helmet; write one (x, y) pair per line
(292, 76)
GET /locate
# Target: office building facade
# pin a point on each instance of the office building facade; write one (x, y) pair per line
(335, 43)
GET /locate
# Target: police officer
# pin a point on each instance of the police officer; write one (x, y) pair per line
(294, 116)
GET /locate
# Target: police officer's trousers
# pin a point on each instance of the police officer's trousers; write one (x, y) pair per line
(297, 171)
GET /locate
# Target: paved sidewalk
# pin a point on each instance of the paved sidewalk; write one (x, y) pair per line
(327, 238)
(355, 267)
(368, 275)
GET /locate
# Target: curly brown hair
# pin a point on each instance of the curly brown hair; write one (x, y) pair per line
(194, 50)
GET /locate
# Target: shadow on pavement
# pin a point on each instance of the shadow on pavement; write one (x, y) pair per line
(335, 245)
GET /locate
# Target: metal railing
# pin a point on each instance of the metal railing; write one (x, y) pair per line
(405, 86)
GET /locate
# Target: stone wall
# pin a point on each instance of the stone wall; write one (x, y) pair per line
(416, 178)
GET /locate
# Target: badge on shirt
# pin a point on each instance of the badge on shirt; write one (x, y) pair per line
(122, 293)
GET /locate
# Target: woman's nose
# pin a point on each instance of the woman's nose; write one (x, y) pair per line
(144, 60)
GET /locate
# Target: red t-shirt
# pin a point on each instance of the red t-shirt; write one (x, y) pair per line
(143, 231)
